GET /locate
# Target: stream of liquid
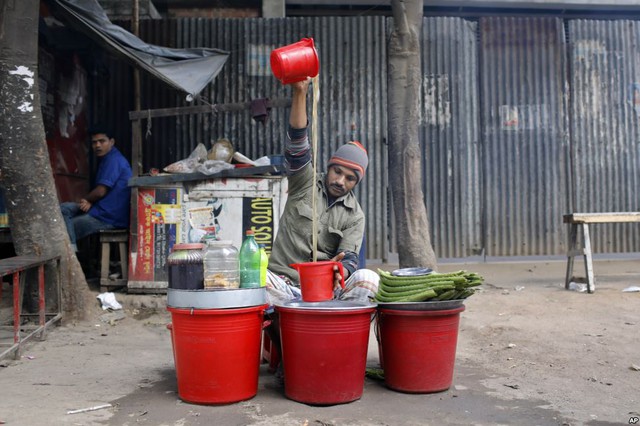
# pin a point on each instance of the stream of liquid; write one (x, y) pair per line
(314, 147)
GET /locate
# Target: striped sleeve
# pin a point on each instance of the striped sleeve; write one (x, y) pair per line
(350, 261)
(297, 151)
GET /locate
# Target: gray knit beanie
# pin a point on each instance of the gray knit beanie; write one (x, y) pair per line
(352, 155)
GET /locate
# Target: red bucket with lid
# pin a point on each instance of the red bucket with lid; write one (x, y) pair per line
(324, 350)
(419, 348)
(217, 353)
(295, 62)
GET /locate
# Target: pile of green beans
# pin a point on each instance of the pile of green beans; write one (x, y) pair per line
(430, 287)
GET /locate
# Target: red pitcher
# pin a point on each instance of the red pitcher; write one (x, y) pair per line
(316, 279)
(295, 62)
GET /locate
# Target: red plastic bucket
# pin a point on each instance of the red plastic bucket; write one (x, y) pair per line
(419, 348)
(324, 352)
(295, 62)
(217, 353)
(316, 279)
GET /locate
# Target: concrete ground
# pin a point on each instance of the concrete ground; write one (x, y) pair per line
(529, 353)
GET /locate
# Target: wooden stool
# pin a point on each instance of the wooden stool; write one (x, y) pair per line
(270, 353)
(121, 237)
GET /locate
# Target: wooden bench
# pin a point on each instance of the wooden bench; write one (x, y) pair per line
(583, 220)
(16, 266)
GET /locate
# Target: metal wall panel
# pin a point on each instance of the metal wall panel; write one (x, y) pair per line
(450, 134)
(498, 170)
(525, 143)
(605, 110)
(352, 102)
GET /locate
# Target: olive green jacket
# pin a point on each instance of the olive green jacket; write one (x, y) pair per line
(340, 226)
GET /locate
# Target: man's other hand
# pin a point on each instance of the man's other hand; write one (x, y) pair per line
(337, 278)
(84, 205)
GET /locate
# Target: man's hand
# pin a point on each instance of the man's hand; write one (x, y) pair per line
(301, 86)
(337, 278)
(84, 205)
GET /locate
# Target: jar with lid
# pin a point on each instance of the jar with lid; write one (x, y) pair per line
(186, 269)
(221, 268)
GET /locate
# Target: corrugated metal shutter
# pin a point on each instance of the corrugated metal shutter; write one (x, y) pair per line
(605, 110)
(498, 171)
(525, 144)
(450, 133)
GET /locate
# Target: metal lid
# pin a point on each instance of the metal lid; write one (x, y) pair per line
(220, 242)
(435, 305)
(216, 299)
(188, 246)
(332, 305)
(412, 272)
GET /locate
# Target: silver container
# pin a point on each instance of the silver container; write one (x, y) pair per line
(216, 299)
(437, 305)
(332, 305)
(412, 272)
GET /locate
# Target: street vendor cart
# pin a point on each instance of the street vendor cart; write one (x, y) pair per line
(182, 208)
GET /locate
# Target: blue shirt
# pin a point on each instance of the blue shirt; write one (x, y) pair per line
(114, 172)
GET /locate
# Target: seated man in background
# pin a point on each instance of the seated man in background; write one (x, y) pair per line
(106, 206)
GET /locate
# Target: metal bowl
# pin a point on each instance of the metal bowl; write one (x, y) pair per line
(437, 305)
(412, 272)
(216, 299)
(333, 305)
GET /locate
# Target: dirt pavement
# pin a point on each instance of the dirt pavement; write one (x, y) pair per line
(529, 353)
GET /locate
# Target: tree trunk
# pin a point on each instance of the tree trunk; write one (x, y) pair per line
(405, 154)
(37, 226)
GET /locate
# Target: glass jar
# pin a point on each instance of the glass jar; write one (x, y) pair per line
(186, 269)
(221, 268)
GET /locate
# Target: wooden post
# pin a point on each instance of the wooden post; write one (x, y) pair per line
(136, 147)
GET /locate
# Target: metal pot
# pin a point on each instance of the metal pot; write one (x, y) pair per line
(333, 305)
(435, 305)
(216, 299)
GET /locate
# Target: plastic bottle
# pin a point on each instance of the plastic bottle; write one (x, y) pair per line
(264, 262)
(221, 268)
(249, 262)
